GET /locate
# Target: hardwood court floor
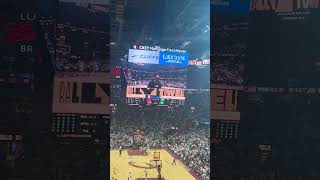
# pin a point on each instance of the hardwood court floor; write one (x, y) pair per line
(120, 168)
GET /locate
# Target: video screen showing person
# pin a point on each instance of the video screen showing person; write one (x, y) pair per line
(156, 78)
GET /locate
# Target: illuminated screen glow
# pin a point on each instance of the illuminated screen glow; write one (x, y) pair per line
(156, 78)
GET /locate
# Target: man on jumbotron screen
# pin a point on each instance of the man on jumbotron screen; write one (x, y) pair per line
(155, 83)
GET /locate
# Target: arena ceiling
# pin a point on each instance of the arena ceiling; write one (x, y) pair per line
(181, 24)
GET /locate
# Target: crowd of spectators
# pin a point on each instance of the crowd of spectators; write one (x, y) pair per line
(76, 46)
(64, 65)
(78, 50)
(193, 147)
(229, 58)
(176, 78)
(227, 73)
(174, 129)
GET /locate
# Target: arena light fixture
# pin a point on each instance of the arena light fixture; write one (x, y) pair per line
(186, 43)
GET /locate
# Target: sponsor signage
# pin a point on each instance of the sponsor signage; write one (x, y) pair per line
(230, 6)
(161, 93)
(224, 100)
(265, 147)
(171, 58)
(19, 41)
(20, 32)
(224, 104)
(158, 55)
(158, 48)
(143, 56)
(10, 137)
(284, 5)
(72, 96)
(199, 62)
(28, 16)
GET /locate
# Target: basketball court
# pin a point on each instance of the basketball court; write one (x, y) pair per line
(120, 166)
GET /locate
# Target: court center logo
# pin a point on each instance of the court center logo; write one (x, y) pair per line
(281, 6)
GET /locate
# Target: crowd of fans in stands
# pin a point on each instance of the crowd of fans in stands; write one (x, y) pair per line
(164, 128)
(64, 65)
(175, 78)
(174, 82)
(78, 49)
(227, 73)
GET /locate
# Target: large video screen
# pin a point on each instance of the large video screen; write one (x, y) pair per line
(156, 78)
